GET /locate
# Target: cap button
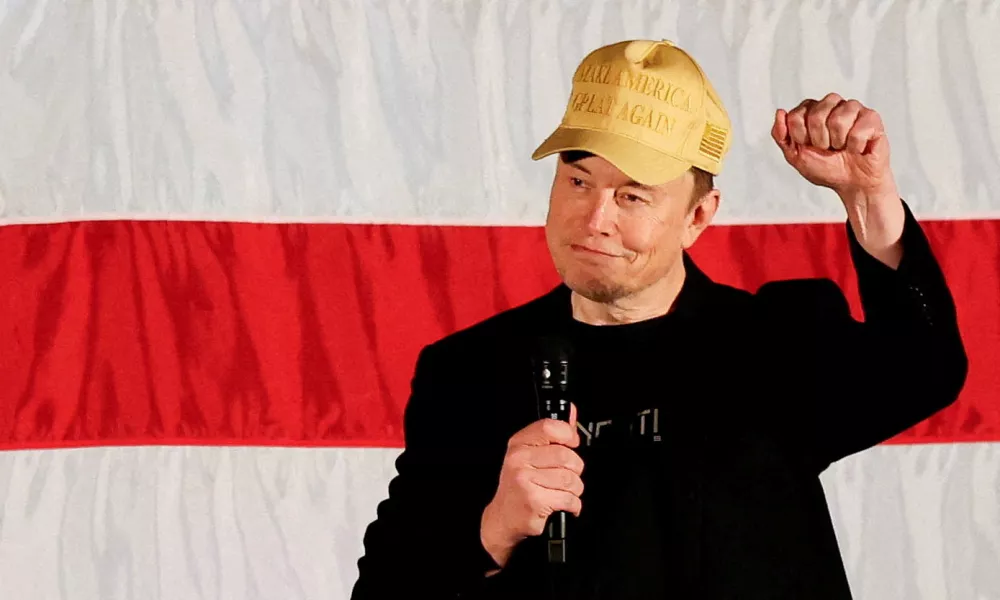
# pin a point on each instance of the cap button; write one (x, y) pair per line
(637, 51)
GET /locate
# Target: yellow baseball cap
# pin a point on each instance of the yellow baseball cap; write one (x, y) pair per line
(646, 107)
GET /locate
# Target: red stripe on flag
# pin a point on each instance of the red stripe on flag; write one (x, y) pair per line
(126, 332)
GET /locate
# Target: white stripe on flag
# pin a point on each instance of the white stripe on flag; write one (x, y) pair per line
(175, 523)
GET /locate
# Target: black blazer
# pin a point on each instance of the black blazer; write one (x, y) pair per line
(794, 384)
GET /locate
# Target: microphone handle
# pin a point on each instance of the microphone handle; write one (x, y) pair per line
(555, 527)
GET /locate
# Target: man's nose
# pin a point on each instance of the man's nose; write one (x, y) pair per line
(602, 213)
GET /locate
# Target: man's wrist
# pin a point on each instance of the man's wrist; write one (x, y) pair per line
(877, 219)
(493, 542)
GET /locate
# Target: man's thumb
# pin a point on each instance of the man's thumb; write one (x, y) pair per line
(878, 148)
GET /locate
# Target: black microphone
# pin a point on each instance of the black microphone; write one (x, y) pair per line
(551, 371)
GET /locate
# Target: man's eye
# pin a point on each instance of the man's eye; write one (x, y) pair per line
(576, 181)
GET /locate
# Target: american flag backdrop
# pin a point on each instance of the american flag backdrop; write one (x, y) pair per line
(228, 227)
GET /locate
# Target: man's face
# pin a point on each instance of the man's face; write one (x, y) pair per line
(611, 237)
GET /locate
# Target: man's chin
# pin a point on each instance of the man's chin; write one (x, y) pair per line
(595, 290)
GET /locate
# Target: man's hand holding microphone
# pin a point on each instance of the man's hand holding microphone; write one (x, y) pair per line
(541, 474)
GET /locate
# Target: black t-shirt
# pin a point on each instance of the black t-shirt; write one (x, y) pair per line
(622, 383)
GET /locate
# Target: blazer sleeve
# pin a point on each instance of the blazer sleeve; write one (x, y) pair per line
(850, 385)
(424, 542)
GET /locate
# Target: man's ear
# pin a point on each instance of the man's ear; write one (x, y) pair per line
(700, 216)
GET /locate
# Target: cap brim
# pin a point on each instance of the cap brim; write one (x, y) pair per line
(640, 162)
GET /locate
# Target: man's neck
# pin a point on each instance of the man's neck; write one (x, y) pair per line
(654, 301)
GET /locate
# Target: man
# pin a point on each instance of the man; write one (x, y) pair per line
(703, 415)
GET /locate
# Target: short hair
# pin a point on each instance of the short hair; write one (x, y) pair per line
(704, 182)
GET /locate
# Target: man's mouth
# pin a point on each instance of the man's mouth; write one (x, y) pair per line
(592, 251)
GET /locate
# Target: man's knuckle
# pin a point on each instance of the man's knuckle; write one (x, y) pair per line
(833, 99)
(522, 478)
(515, 456)
(839, 127)
(515, 440)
